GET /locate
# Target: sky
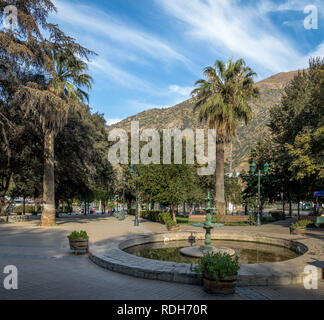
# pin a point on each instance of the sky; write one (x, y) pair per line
(151, 52)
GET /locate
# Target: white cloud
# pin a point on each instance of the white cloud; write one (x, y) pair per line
(139, 106)
(232, 29)
(118, 75)
(111, 121)
(289, 5)
(318, 52)
(175, 94)
(182, 91)
(95, 21)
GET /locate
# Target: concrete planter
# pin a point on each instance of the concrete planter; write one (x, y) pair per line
(174, 228)
(223, 286)
(300, 231)
(80, 246)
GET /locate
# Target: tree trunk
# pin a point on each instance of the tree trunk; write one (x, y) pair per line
(4, 188)
(190, 211)
(129, 205)
(35, 205)
(4, 206)
(298, 206)
(290, 208)
(219, 183)
(57, 207)
(24, 206)
(48, 214)
(139, 206)
(173, 213)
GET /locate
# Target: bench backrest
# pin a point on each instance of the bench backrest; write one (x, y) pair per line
(223, 219)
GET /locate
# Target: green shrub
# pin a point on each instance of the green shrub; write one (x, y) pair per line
(78, 235)
(170, 222)
(268, 219)
(28, 209)
(217, 266)
(276, 215)
(68, 209)
(156, 216)
(301, 224)
(252, 220)
(218, 218)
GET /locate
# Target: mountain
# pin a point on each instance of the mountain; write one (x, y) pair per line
(182, 116)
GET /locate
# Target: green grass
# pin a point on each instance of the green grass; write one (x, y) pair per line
(236, 224)
(182, 220)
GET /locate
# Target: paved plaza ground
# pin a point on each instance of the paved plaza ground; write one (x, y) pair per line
(48, 270)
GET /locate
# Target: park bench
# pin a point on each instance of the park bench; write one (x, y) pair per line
(319, 221)
(223, 219)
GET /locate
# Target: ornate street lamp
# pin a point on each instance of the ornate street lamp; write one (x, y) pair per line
(131, 170)
(283, 205)
(253, 171)
(124, 183)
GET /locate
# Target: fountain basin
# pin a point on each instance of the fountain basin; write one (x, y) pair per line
(109, 254)
(247, 252)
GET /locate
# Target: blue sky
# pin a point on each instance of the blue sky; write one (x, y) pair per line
(150, 52)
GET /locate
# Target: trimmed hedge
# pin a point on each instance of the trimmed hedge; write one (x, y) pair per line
(155, 216)
(276, 215)
(268, 219)
(28, 209)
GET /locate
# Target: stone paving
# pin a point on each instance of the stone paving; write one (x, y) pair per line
(48, 270)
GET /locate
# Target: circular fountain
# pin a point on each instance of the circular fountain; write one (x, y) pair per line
(265, 258)
(207, 248)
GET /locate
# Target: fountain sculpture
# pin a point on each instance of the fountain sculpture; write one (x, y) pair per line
(200, 251)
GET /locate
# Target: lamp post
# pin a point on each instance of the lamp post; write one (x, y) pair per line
(131, 169)
(124, 183)
(208, 225)
(283, 206)
(266, 170)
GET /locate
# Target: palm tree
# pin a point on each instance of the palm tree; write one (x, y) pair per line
(222, 100)
(52, 96)
(66, 90)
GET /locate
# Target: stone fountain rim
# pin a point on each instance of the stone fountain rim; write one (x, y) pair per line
(109, 254)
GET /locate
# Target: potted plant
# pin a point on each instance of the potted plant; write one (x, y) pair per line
(79, 242)
(299, 227)
(172, 225)
(219, 272)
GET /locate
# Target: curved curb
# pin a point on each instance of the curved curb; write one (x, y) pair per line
(109, 254)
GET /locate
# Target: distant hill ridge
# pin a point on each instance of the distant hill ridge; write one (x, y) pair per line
(182, 116)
